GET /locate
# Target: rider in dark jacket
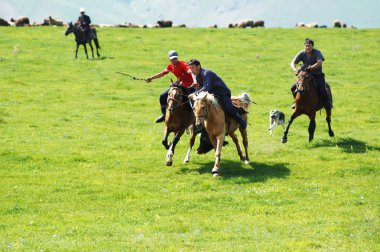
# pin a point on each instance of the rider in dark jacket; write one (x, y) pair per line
(312, 60)
(212, 83)
(84, 22)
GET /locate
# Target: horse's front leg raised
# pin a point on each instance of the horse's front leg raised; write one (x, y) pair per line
(328, 120)
(165, 139)
(191, 144)
(170, 153)
(285, 136)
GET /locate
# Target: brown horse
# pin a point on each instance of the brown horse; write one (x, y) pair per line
(82, 39)
(307, 102)
(177, 119)
(209, 114)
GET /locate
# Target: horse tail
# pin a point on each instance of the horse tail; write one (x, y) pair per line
(96, 41)
(329, 93)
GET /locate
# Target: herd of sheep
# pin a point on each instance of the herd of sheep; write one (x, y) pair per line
(24, 21)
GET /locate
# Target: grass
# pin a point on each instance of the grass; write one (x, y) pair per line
(82, 167)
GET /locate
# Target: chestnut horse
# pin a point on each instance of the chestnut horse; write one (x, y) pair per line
(177, 119)
(210, 115)
(307, 102)
(82, 39)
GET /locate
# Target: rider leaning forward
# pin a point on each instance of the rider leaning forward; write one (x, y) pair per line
(184, 77)
(312, 60)
(212, 83)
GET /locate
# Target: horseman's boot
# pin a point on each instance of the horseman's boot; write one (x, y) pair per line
(241, 121)
(162, 117)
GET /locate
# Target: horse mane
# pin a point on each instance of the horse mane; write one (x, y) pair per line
(209, 97)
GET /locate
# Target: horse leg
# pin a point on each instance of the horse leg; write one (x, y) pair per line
(218, 153)
(291, 118)
(328, 120)
(165, 139)
(85, 49)
(92, 49)
(76, 51)
(192, 140)
(170, 153)
(311, 129)
(244, 135)
(238, 148)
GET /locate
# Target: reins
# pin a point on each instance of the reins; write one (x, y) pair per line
(179, 103)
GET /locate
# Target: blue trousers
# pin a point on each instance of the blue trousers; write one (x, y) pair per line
(231, 111)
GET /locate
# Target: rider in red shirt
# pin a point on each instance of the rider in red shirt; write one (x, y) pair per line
(184, 76)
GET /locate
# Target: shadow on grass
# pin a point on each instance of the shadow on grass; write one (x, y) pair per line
(348, 145)
(102, 58)
(254, 172)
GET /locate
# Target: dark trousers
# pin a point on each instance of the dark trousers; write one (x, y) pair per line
(164, 98)
(225, 99)
(321, 89)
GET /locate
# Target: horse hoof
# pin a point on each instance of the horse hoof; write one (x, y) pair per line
(186, 161)
(215, 175)
(331, 133)
(247, 161)
(169, 163)
(284, 140)
(215, 172)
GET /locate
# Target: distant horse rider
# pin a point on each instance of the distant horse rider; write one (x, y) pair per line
(184, 77)
(84, 22)
(312, 60)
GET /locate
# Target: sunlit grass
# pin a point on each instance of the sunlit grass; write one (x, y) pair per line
(82, 166)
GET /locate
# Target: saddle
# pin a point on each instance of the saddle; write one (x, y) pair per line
(242, 107)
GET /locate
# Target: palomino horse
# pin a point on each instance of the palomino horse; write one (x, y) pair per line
(82, 39)
(177, 119)
(209, 114)
(307, 102)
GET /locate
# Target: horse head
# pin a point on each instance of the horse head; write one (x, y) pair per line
(304, 81)
(174, 98)
(70, 28)
(201, 107)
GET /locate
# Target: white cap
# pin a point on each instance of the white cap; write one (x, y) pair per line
(81, 10)
(173, 55)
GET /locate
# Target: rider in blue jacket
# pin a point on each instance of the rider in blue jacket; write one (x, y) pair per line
(212, 83)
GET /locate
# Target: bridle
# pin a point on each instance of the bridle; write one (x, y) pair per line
(178, 101)
(305, 82)
(205, 110)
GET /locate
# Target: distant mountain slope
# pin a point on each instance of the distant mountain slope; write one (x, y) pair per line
(201, 13)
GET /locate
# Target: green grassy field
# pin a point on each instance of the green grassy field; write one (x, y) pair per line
(82, 167)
